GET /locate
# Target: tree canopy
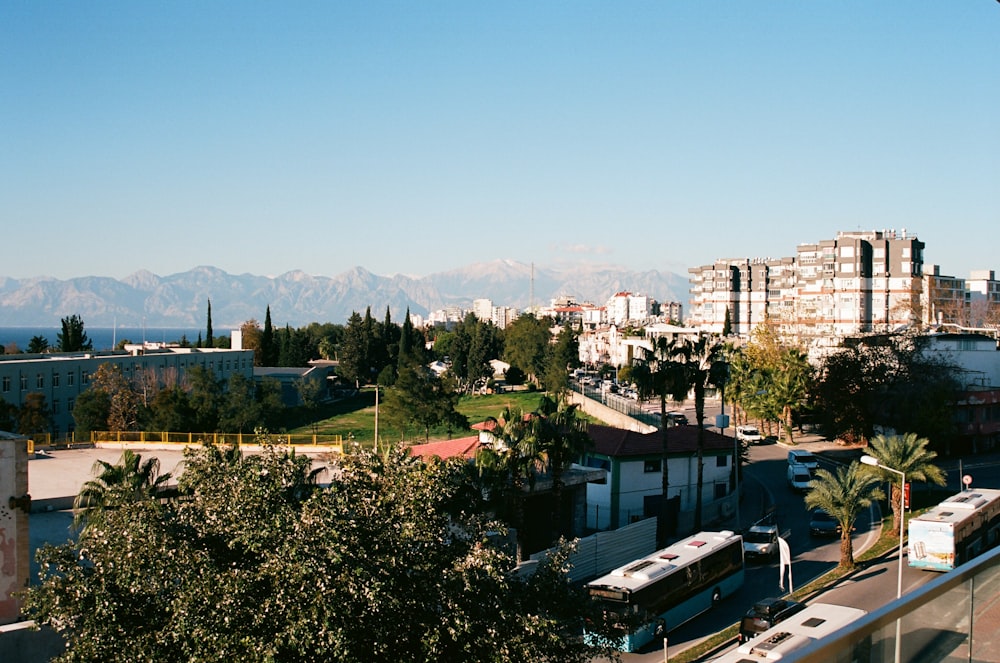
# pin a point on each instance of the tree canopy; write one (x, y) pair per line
(257, 562)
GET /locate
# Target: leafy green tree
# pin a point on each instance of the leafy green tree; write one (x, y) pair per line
(123, 403)
(526, 344)
(509, 466)
(204, 398)
(390, 562)
(240, 410)
(887, 380)
(169, 410)
(34, 416)
(251, 334)
(564, 354)
(562, 438)
(38, 345)
(73, 338)
(905, 453)
(91, 412)
(8, 415)
(116, 485)
(844, 494)
(354, 363)
(419, 396)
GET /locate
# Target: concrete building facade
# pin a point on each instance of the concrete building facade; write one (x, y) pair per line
(858, 282)
(61, 377)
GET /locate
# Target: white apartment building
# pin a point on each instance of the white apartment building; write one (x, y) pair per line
(61, 377)
(625, 307)
(858, 282)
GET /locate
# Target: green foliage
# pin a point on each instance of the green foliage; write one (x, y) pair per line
(34, 416)
(116, 485)
(73, 338)
(91, 412)
(38, 345)
(527, 344)
(910, 455)
(843, 495)
(887, 380)
(257, 563)
(421, 397)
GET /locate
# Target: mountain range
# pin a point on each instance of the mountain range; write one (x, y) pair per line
(297, 299)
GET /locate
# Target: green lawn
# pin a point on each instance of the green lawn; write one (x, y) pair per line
(356, 416)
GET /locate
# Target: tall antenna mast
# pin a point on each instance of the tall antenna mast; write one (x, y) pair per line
(531, 295)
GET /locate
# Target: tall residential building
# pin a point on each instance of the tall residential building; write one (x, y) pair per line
(857, 282)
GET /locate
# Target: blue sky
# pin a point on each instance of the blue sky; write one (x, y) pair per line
(417, 137)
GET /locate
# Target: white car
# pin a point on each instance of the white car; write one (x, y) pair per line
(761, 542)
(749, 434)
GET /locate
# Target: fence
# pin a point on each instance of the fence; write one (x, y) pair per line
(334, 443)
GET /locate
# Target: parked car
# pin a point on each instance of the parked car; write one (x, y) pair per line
(676, 419)
(822, 524)
(749, 434)
(803, 457)
(760, 542)
(799, 477)
(766, 613)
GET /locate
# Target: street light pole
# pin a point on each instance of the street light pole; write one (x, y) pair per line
(871, 460)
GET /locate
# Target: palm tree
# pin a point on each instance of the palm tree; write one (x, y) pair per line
(127, 481)
(562, 439)
(843, 495)
(657, 373)
(510, 465)
(703, 366)
(909, 454)
(790, 386)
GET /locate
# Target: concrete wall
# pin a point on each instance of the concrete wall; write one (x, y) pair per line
(15, 561)
(607, 415)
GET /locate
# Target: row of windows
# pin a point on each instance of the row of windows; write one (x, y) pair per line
(7, 381)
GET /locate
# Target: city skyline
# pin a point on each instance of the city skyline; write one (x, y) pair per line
(413, 139)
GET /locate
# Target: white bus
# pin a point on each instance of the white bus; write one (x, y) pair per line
(955, 531)
(816, 621)
(669, 587)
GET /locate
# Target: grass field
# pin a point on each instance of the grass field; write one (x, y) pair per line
(356, 416)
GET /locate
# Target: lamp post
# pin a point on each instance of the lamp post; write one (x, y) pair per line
(871, 460)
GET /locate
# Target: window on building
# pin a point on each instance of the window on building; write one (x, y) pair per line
(722, 461)
(55, 406)
(6, 383)
(847, 252)
(847, 267)
(55, 379)
(39, 381)
(70, 404)
(84, 377)
(651, 466)
(906, 252)
(878, 253)
(70, 378)
(24, 383)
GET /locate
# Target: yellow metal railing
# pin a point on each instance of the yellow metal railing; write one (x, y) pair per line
(335, 442)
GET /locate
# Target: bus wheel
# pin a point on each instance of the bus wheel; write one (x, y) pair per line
(716, 596)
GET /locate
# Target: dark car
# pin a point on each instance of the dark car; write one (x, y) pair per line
(823, 524)
(766, 613)
(676, 419)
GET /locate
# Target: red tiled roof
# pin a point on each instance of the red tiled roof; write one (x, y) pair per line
(616, 442)
(463, 447)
